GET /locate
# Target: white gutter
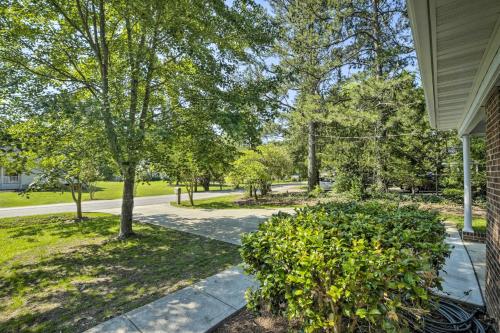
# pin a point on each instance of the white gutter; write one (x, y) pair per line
(423, 23)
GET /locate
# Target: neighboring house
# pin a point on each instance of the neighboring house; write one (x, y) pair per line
(458, 51)
(14, 181)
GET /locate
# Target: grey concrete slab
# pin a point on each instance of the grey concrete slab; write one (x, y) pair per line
(222, 228)
(459, 279)
(187, 311)
(477, 254)
(226, 225)
(116, 325)
(228, 286)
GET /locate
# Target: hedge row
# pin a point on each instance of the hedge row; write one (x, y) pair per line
(340, 267)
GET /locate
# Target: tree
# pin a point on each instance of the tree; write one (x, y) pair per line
(314, 47)
(63, 146)
(277, 160)
(131, 56)
(186, 169)
(384, 49)
(201, 154)
(258, 168)
(248, 169)
(345, 45)
(355, 146)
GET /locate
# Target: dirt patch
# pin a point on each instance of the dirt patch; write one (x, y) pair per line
(245, 321)
(280, 199)
(453, 209)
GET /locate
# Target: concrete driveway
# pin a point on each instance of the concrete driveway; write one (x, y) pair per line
(225, 225)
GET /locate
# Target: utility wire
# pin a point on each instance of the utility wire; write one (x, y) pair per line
(368, 137)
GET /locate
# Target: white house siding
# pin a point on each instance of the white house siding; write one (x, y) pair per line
(14, 183)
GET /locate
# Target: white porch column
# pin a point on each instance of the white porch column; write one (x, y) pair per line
(467, 186)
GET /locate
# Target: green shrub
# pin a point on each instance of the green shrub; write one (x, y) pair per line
(316, 192)
(454, 194)
(351, 186)
(338, 267)
(480, 201)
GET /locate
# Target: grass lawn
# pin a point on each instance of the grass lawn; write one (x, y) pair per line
(478, 223)
(106, 190)
(57, 275)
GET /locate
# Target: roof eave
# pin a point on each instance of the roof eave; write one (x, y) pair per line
(422, 24)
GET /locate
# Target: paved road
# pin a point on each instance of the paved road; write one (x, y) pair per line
(102, 205)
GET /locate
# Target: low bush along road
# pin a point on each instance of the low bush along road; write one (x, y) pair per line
(57, 275)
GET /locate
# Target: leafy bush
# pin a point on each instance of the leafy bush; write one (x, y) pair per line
(352, 186)
(454, 194)
(480, 201)
(341, 266)
(316, 192)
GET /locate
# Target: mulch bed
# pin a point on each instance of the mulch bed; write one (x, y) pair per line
(245, 321)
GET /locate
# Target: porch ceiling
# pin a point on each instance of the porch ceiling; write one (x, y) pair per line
(457, 44)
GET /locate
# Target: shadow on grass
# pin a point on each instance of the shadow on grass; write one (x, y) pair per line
(76, 288)
(61, 226)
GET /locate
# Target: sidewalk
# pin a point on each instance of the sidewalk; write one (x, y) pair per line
(459, 279)
(194, 309)
(200, 307)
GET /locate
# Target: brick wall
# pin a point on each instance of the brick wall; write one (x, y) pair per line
(478, 237)
(493, 192)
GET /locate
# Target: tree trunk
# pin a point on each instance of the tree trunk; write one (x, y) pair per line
(127, 203)
(76, 194)
(437, 183)
(250, 193)
(196, 185)
(376, 37)
(312, 166)
(79, 214)
(206, 183)
(91, 191)
(379, 182)
(190, 188)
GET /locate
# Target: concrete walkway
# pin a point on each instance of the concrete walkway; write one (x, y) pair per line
(194, 309)
(459, 279)
(477, 254)
(225, 225)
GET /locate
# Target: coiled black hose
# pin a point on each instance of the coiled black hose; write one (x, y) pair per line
(455, 319)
